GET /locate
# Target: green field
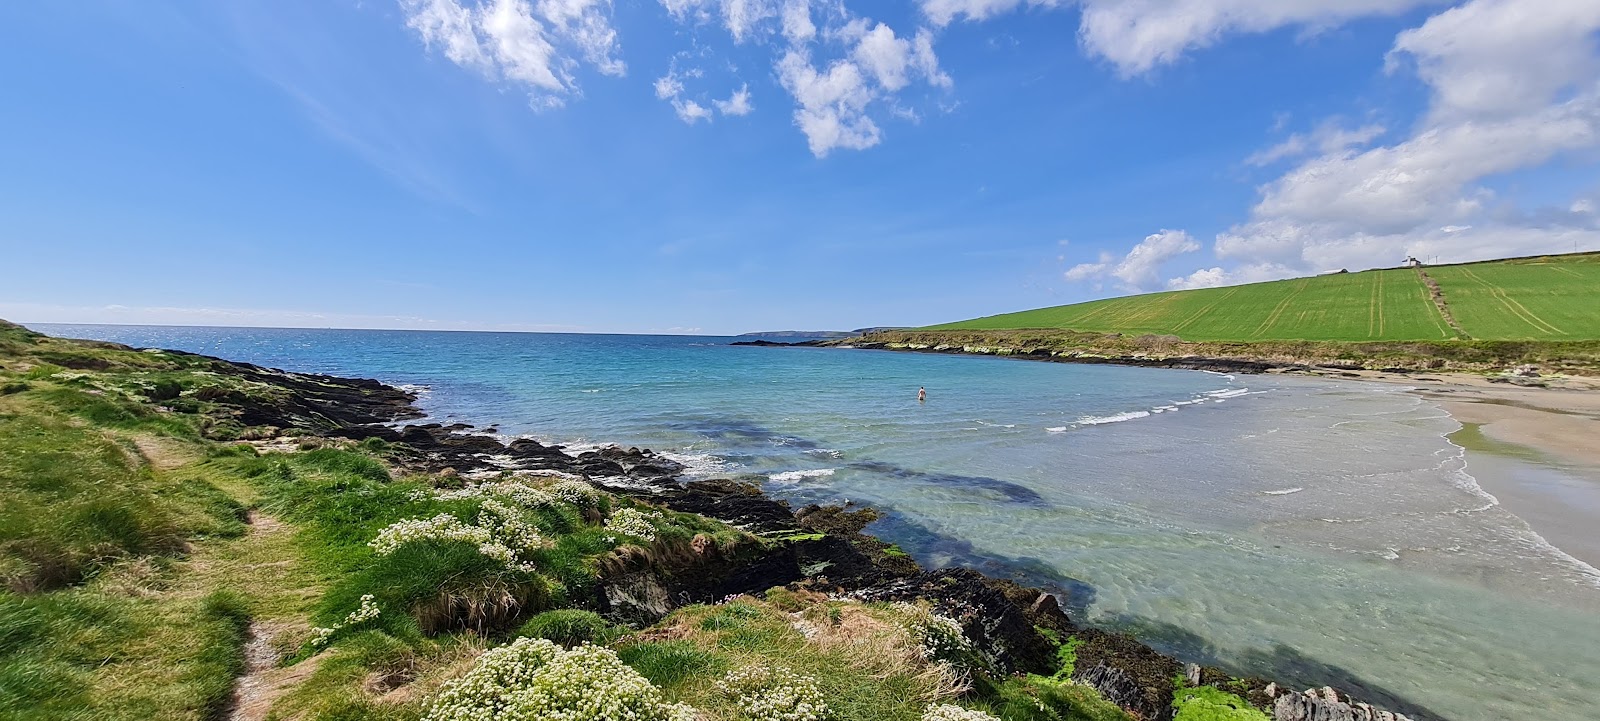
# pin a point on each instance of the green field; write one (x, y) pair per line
(1554, 298)
(1548, 298)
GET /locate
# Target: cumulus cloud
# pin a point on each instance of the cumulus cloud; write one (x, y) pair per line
(833, 103)
(535, 45)
(844, 72)
(1140, 269)
(1498, 106)
(1498, 58)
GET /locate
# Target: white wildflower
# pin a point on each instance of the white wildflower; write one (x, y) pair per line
(947, 712)
(365, 613)
(941, 637)
(631, 522)
(443, 527)
(775, 694)
(577, 493)
(321, 635)
(534, 679)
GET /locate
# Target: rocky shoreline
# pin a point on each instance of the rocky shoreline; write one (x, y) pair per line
(814, 548)
(1335, 358)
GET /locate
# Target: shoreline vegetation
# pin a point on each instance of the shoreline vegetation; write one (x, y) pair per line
(187, 537)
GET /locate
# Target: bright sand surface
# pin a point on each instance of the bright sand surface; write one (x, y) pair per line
(1536, 450)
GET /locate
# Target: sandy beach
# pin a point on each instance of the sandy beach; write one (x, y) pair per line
(1536, 450)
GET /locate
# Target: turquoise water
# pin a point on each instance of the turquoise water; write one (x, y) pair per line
(1314, 530)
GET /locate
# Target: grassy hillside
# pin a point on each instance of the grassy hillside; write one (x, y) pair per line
(1546, 298)
(1550, 298)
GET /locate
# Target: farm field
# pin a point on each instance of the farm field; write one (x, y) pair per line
(1556, 298)
(1550, 298)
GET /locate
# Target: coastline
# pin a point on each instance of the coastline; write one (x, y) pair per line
(1530, 441)
(247, 412)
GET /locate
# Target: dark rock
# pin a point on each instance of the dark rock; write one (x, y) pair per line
(1151, 671)
(998, 627)
(1119, 688)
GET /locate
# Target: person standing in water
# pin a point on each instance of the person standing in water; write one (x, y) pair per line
(922, 394)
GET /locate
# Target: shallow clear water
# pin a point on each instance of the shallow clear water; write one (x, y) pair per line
(1314, 530)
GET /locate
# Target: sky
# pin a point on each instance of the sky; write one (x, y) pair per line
(723, 166)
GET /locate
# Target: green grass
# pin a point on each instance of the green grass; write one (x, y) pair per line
(1208, 703)
(1556, 298)
(1553, 298)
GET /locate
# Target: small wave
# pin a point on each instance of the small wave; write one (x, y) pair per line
(796, 476)
(1116, 418)
(1283, 492)
(591, 390)
(829, 452)
(415, 388)
(1226, 393)
(1057, 429)
(698, 464)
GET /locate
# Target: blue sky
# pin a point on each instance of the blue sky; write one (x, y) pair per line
(723, 166)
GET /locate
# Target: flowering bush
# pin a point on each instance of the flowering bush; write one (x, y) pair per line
(443, 527)
(941, 638)
(577, 493)
(501, 534)
(947, 712)
(775, 695)
(515, 490)
(534, 679)
(631, 522)
(367, 612)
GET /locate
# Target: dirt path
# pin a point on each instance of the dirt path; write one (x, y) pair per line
(255, 563)
(163, 454)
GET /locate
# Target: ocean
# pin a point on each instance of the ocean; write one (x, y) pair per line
(1306, 529)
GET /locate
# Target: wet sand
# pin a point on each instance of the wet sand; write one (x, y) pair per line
(1536, 450)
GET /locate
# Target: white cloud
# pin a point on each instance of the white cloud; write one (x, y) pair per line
(1139, 35)
(844, 72)
(1329, 137)
(833, 103)
(1216, 277)
(670, 88)
(797, 25)
(736, 104)
(891, 60)
(943, 12)
(743, 16)
(1203, 278)
(534, 45)
(1499, 105)
(1498, 58)
(1140, 269)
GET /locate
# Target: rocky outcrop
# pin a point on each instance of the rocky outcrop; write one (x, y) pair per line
(1325, 704)
(1119, 688)
(1003, 630)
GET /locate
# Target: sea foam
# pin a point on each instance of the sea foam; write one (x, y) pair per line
(797, 476)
